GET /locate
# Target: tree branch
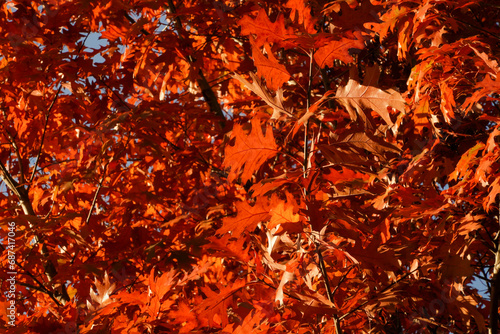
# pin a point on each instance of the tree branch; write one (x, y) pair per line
(22, 194)
(206, 89)
(329, 293)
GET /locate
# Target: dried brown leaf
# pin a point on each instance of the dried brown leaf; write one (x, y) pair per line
(259, 89)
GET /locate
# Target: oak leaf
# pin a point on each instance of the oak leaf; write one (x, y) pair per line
(366, 141)
(269, 68)
(229, 247)
(259, 89)
(247, 218)
(302, 13)
(281, 213)
(266, 31)
(102, 296)
(162, 284)
(328, 49)
(252, 322)
(216, 304)
(357, 98)
(250, 150)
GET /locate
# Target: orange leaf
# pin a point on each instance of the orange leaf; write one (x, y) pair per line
(302, 13)
(161, 285)
(329, 49)
(265, 30)
(247, 217)
(249, 151)
(269, 68)
(470, 223)
(494, 190)
(447, 102)
(251, 323)
(216, 304)
(281, 213)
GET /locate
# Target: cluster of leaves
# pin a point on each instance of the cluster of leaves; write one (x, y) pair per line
(251, 166)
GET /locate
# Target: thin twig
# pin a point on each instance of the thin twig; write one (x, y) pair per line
(18, 154)
(306, 125)
(477, 28)
(275, 288)
(94, 201)
(43, 134)
(342, 280)
(324, 274)
(131, 20)
(326, 83)
(329, 293)
(41, 287)
(483, 278)
(381, 291)
(11, 183)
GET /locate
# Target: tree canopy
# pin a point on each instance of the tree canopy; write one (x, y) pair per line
(230, 166)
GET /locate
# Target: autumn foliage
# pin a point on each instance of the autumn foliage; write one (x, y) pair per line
(250, 166)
